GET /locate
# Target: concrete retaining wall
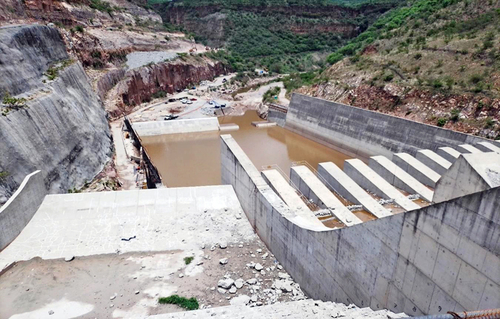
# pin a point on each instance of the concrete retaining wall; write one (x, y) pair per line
(176, 126)
(20, 208)
(276, 116)
(444, 257)
(366, 133)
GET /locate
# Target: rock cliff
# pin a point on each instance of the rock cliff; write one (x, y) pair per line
(62, 127)
(141, 84)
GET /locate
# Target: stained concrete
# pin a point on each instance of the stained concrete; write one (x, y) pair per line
(176, 126)
(448, 153)
(434, 161)
(366, 133)
(472, 172)
(399, 178)
(467, 148)
(289, 195)
(309, 185)
(417, 169)
(349, 189)
(487, 147)
(368, 179)
(20, 208)
(88, 224)
(444, 257)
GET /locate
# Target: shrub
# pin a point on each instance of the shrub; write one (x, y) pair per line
(418, 56)
(189, 304)
(270, 94)
(188, 260)
(455, 115)
(388, 77)
(475, 78)
(441, 122)
(102, 6)
(334, 58)
(437, 84)
(489, 122)
(12, 102)
(79, 28)
(3, 175)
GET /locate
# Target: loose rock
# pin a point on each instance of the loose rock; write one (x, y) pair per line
(223, 261)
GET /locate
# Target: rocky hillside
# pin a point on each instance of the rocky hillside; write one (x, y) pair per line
(281, 36)
(436, 62)
(51, 119)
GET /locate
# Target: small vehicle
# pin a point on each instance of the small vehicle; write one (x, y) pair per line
(224, 80)
(223, 105)
(172, 100)
(184, 101)
(193, 99)
(211, 102)
(171, 117)
(193, 88)
(189, 102)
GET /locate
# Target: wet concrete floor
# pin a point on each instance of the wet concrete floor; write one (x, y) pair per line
(194, 159)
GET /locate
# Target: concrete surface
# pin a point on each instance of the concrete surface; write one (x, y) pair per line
(20, 208)
(347, 188)
(292, 310)
(471, 173)
(366, 133)
(288, 194)
(161, 219)
(315, 190)
(229, 127)
(448, 153)
(434, 161)
(368, 179)
(276, 116)
(176, 126)
(487, 147)
(417, 169)
(467, 148)
(399, 178)
(444, 257)
(263, 124)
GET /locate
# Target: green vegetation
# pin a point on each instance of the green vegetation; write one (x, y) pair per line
(394, 19)
(189, 304)
(3, 175)
(297, 80)
(270, 94)
(102, 6)
(188, 260)
(441, 122)
(12, 102)
(277, 37)
(53, 71)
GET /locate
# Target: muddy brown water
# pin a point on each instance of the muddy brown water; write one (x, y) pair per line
(194, 159)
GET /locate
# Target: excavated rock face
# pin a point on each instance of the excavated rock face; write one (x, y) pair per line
(141, 84)
(62, 130)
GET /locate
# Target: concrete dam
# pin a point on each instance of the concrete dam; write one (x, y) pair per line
(324, 210)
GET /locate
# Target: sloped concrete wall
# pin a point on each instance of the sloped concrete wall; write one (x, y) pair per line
(366, 133)
(21, 207)
(444, 257)
(176, 127)
(276, 116)
(63, 131)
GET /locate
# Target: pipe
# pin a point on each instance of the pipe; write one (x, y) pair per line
(478, 314)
